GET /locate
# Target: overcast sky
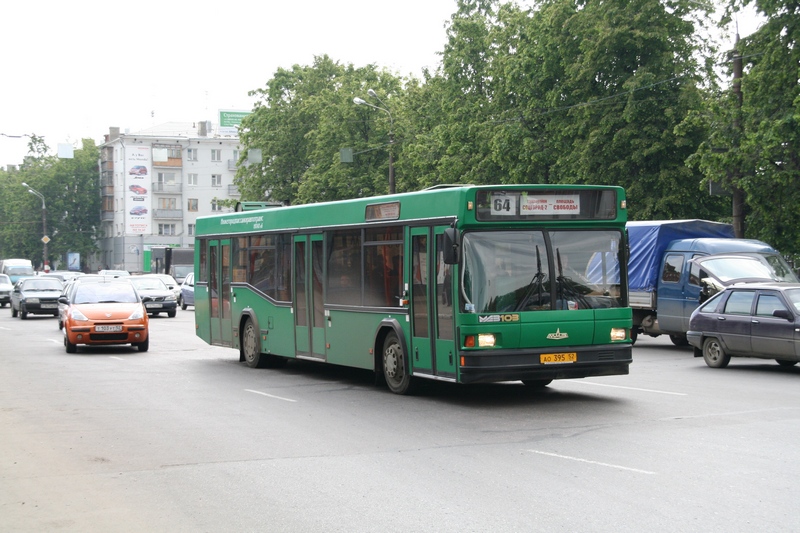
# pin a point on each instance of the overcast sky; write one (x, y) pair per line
(71, 70)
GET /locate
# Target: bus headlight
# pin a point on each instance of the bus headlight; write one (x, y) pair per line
(619, 334)
(484, 340)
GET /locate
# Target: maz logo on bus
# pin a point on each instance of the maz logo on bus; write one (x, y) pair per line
(498, 318)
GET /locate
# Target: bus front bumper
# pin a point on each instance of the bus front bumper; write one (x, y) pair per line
(488, 366)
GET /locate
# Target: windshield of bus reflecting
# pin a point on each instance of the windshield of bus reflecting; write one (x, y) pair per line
(512, 271)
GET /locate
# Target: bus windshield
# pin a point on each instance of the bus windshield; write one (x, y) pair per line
(512, 271)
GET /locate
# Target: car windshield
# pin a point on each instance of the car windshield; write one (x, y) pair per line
(508, 271)
(149, 284)
(91, 293)
(50, 284)
(793, 295)
(182, 271)
(19, 270)
(727, 268)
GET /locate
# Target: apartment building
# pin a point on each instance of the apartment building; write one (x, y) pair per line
(155, 183)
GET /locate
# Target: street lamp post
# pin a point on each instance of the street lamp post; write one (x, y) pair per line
(360, 101)
(45, 239)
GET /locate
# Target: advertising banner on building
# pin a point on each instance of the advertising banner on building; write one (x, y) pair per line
(138, 167)
(229, 121)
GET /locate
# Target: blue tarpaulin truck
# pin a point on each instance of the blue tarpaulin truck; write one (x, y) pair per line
(674, 265)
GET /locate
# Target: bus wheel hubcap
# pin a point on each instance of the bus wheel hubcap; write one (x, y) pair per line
(390, 362)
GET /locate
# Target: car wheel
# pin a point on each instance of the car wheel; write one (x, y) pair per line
(144, 346)
(537, 383)
(714, 354)
(182, 304)
(784, 362)
(172, 314)
(71, 348)
(23, 314)
(395, 369)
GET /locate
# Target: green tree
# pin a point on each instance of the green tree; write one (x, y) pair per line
(754, 141)
(303, 118)
(69, 188)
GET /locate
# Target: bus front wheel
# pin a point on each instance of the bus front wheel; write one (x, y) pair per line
(395, 370)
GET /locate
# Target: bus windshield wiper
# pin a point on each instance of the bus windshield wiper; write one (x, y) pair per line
(535, 283)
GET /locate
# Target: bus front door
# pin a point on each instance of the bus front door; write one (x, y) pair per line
(309, 312)
(432, 339)
(219, 292)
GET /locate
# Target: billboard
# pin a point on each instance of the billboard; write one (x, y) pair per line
(138, 169)
(229, 121)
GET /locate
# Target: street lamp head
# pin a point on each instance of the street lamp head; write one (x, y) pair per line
(356, 100)
(372, 93)
(25, 185)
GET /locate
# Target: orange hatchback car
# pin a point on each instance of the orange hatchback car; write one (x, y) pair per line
(105, 312)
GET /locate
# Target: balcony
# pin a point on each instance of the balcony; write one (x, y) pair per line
(107, 216)
(233, 190)
(167, 187)
(172, 214)
(232, 164)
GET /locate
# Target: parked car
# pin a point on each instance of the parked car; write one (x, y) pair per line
(160, 298)
(187, 292)
(5, 290)
(62, 275)
(759, 320)
(103, 312)
(35, 296)
(138, 210)
(137, 189)
(138, 170)
(169, 281)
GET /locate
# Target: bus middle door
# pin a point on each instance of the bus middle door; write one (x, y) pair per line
(219, 292)
(308, 306)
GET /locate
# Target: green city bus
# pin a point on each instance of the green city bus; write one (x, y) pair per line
(465, 284)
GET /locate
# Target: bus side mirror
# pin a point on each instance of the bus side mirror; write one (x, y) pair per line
(450, 246)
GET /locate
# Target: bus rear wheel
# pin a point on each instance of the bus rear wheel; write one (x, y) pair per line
(250, 351)
(395, 369)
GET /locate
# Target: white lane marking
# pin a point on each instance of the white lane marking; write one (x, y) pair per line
(115, 357)
(270, 395)
(581, 382)
(593, 462)
(55, 341)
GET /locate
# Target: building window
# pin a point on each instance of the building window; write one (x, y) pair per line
(216, 154)
(235, 156)
(166, 229)
(192, 179)
(216, 180)
(190, 229)
(192, 204)
(191, 154)
(215, 206)
(174, 153)
(167, 203)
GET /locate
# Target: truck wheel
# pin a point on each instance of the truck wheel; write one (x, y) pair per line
(714, 354)
(679, 340)
(395, 370)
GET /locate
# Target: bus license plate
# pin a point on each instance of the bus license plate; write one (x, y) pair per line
(557, 358)
(108, 328)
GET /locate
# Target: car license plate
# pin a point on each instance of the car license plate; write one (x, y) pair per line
(108, 328)
(558, 358)
(49, 306)
(151, 306)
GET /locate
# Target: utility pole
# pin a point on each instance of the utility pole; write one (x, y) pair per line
(738, 207)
